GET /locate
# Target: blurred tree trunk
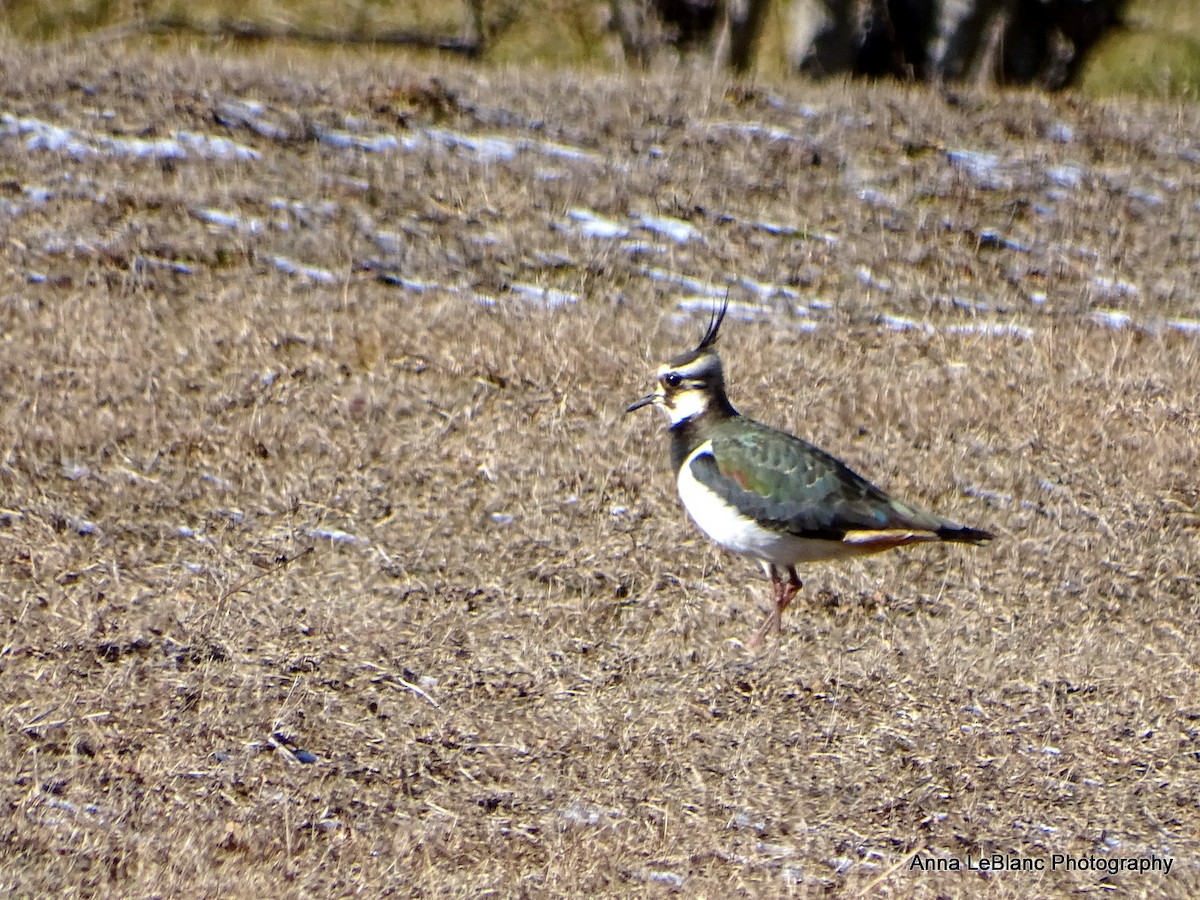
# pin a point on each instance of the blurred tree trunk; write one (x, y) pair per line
(629, 19)
(983, 41)
(969, 35)
(823, 36)
(744, 21)
(473, 33)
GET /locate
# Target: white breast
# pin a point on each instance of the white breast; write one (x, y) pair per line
(734, 531)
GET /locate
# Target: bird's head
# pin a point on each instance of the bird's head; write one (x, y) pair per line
(691, 385)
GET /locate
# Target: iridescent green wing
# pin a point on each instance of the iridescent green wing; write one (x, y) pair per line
(789, 484)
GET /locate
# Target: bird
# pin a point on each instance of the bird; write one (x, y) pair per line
(768, 495)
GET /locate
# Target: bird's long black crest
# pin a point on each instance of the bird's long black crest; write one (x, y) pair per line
(716, 317)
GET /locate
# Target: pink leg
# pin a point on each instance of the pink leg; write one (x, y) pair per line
(782, 593)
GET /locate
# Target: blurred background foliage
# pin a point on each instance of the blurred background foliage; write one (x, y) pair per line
(1153, 52)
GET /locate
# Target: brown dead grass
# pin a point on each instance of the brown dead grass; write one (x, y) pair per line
(558, 703)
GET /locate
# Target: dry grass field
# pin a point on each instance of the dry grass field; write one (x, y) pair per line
(330, 564)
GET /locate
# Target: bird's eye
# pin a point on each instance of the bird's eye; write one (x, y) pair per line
(672, 379)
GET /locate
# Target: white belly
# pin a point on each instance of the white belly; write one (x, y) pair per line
(722, 522)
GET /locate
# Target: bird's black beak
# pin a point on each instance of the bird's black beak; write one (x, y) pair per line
(645, 401)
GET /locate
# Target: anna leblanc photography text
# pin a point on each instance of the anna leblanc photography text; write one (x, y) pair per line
(1000, 862)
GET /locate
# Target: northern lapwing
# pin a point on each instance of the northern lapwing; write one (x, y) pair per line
(770, 496)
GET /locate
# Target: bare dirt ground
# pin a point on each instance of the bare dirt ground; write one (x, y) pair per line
(329, 562)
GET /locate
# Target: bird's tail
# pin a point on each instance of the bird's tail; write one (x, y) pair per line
(964, 534)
